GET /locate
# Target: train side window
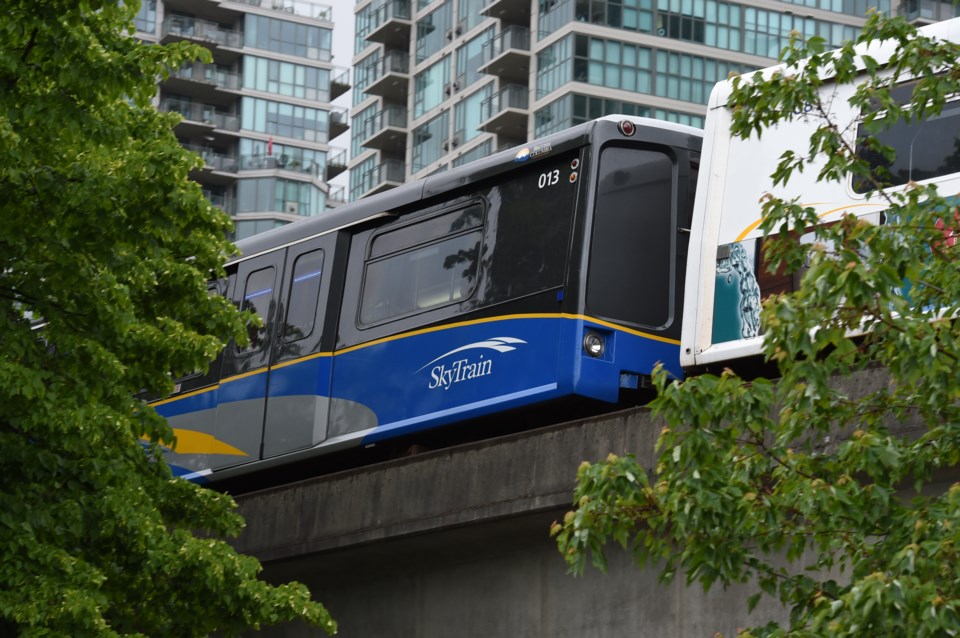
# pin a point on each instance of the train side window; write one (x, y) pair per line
(924, 149)
(304, 296)
(258, 296)
(633, 237)
(421, 266)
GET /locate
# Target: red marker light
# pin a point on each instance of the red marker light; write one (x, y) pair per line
(627, 127)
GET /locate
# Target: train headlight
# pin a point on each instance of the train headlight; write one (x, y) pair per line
(593, 344)
(627, 128)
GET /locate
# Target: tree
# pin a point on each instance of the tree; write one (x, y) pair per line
(794, 485)
(104, 256)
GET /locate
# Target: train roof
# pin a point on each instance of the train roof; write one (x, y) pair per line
(393, 201)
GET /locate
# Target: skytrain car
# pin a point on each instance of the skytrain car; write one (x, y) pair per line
(726, 274)
(535, 275)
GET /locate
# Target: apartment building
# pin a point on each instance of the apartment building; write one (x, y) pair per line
(438, 83)
(260, 113)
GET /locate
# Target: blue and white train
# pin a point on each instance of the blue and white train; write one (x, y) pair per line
(565, 270)
(534, 275)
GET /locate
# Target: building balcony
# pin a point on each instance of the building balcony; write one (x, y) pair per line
(386, 130)
(390, 77)
(337, 196)
(508, 11)
(290, 162)
(214, 160)
(202, 82)
(339, 122)
(200, 118)
(221, 201)
(505, 112)
(923, 12)
(339, 83)
(177, 27)
(507, 56)
(386, 175)
(336, 162)
(390, 23)
(302, 8)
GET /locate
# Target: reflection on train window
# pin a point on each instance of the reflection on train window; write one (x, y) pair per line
(258, 296)
(427, 230)
(422, 275)
(924, 150)
(633, 236)
(304, 296)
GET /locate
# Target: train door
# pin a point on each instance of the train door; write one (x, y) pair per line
(299, 381)
(245, 374)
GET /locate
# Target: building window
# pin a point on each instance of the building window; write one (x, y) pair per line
(432, 31)
(276, 195)
(478, 152)
(359, 130)
(468, 14)
(617, 65)
(289, 38)
(431, 141)
(470, 59)
(555, 66)
(362, 26)
(574, 109)
(431, 87)
(362, 176)
(286, 78)
(364, 72)
(468, 114)
(249, 227)
(285, 120)
(723, 25)
(146, 18)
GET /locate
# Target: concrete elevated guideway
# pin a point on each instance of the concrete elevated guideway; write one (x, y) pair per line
(455, 543)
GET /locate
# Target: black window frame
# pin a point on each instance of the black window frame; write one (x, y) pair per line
(370, 257)
(317, 317)
(902, 94)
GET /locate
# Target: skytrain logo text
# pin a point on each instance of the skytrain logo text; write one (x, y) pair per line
(447, 374)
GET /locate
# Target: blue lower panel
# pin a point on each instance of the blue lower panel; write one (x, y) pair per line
(443, 375)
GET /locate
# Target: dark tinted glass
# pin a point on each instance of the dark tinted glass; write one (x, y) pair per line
(304, 296)
(425, 277)
(528, 228)
(426, 231)
(631, 264)
(258, 296)
(924, 150)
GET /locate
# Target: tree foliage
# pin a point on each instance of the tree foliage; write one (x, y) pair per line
(799, 486)
(106, 239)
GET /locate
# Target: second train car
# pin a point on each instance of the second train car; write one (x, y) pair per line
(537, 274)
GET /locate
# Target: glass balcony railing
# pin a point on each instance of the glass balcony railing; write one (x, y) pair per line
(208, 74)
(202, 30)
(512, 96)
(294, 162)
(304, 8)
(389, 116)
(513, 38)
(203, 113)
(337, 195)
(214, 160)
(392, 62)
(386, 174)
